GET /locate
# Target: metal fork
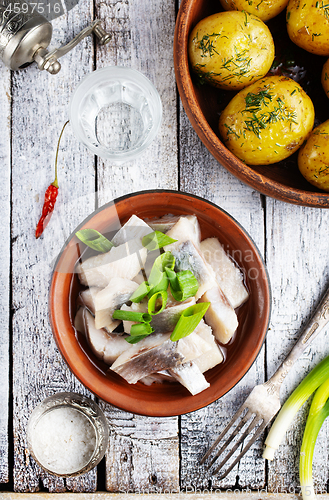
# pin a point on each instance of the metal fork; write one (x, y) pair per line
(263, 402)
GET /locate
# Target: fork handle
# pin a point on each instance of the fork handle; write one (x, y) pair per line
(313, 327)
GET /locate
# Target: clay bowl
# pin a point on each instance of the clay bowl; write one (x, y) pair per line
(204, 103)
(166, 399)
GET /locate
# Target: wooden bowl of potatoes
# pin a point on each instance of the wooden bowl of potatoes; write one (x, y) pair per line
(256, 92)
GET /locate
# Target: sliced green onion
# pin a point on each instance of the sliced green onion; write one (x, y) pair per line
(94, 240)
(310, 383)
(139, 329)
(158, 278)
(319, 411)
(156, 240)
(184, 285)
(162, 295)
(134, 340)
(131, 316)
(189, 320)
(140, 292)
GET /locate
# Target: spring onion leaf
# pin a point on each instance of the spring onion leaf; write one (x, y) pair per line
(135, 339)
(310, 383)
(94, 240)
(141, 292)
(319, 411)
(156, 240)
(161, 296)
(158, 278)
(189, 320)
(132, 316)
(183, 285)
(139, 329)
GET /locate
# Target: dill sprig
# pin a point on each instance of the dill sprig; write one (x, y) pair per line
(206, 44)
(261, 118)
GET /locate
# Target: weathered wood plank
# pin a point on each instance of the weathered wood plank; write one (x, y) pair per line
(297, 256)
(201, 174)
(143, 452)
(40, 107)
(5, 159)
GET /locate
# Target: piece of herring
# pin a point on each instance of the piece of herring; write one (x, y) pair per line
(106, 346)
(193, 346)
(220, 315)
(134, 228)
(124, 261)
(228, 275)
(117, 292)
(167, 319)
(188, 257)
(143, 361)
(214, 356)
(189, 375)
(186, 229)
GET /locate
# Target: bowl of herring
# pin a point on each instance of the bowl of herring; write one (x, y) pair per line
(159, 302)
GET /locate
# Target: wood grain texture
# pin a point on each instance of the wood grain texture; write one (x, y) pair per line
(40, 107)
(143, 453)
(201, 174)
(297, 257)
(5, 159)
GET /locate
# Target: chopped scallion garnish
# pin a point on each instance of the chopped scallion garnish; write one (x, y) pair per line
(94, 240)
(189, 320)
(156, 240)
(141, 292)
(182, 284)
(154, 300)
(139, 329)
(132, 316)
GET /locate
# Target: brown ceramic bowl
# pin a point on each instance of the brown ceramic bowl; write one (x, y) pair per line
(204, 103)
(166, 399)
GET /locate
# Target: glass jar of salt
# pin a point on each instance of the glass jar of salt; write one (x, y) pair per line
(67, 434)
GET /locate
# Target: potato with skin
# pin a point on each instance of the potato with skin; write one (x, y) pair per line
(308, 25)
(313, 157)
(231, 50)
(264, 9)
(267, 121)
(325, 77)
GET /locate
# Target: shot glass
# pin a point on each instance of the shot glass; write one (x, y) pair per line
(116, 112)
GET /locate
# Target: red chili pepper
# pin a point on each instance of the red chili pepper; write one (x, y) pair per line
(50, 196)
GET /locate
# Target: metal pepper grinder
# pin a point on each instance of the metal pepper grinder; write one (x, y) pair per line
(25, 35)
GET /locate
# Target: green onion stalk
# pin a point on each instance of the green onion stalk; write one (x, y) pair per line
(311, 382)
(319, 411)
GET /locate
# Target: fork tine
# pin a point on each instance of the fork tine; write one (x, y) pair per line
(229, 425)
(250, 427)
(244, 450)
(241, 424)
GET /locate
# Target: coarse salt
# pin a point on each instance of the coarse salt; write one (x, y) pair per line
(63, 440)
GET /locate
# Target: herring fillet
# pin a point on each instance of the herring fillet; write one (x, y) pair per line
(168, 318)
(188, 257)
(186, 229)
(214, 356)
(146, 362)
(220, 315)
(189, 375)
(106, 346)
(134, 228)
(228, 275)
(87, 298)
(124, 261)
(110, 298)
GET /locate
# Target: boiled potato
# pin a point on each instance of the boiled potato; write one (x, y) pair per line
(265, 9)
(230, 50)
(313, 157)
(325, 77)
(308, 25)
(267, 121)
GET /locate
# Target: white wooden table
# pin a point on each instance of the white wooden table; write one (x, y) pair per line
(144, 454)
